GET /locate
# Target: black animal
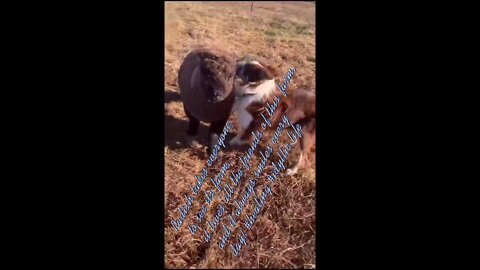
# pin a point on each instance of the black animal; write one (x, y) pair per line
(206, 82)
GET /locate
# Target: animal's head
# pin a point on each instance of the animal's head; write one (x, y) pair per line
(251, 74)
(217, 78)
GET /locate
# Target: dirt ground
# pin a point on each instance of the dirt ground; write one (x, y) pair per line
(283, 35)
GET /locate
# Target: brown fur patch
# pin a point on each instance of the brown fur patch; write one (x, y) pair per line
(216, 64)
(299, 106)
(274, 72)
(255, 109)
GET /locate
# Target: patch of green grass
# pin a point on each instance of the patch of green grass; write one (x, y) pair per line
(302, 29)
(270, 33)
(277, 25)
(288, 28)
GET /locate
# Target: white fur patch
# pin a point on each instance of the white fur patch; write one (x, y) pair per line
(242, 102)
(295, 169)
(244, 118)
(259, 92)
(237, 140)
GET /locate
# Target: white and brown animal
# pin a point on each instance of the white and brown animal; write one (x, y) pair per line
(254, 86)
(206, 82)
(257, 86)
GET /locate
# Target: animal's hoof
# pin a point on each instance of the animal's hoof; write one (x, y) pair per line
(237, 141)
(192, 142)
(291, 172)
(234, 141)
(213, 140)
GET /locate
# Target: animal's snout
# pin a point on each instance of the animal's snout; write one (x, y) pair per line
(215, 96)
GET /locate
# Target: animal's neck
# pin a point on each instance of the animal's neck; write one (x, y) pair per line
(266, 88)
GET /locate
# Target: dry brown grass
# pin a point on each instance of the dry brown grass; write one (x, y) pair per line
(282, 33)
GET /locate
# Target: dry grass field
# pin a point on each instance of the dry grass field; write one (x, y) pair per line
(283, 236)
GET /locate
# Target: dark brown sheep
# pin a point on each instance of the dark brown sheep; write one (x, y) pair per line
(205, 80)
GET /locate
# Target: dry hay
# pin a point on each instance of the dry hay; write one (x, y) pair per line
(283, 235)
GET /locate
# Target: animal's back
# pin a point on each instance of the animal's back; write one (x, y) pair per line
(302, 105)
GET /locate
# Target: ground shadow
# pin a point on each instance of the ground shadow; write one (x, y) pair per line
(175, 129)
(175, 136)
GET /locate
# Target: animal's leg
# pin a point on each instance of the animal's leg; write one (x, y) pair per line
(235, 140)
(245, 135)
(238, 139)
(306, 143)
(307, 160)
(192, 130)
(216, 129)
(246, 124)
